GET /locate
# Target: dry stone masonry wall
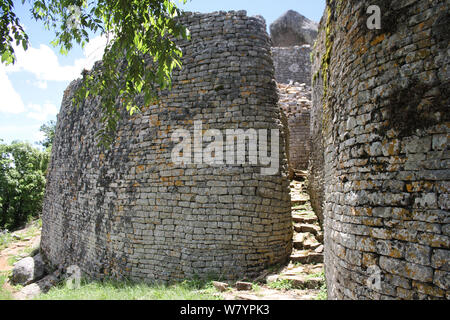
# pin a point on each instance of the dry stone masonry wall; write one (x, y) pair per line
(292, 64)
(381, 116)
(295, 101)
(129, 212)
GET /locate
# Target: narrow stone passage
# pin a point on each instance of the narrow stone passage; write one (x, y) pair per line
(303, 278)
(305, 269)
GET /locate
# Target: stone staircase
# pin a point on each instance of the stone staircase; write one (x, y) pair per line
(305, 270)
(303, 278)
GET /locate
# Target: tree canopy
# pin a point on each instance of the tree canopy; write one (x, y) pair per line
(141, 36)
(22, 183)
(48, 129)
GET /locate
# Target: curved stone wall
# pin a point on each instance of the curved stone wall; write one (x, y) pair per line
(292, 64)
(382, 119)
(295, 101)
(130, 212)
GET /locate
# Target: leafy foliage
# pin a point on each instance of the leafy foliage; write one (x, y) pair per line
(48, 129)
(22, 183)
(140, 54)
(11, 32)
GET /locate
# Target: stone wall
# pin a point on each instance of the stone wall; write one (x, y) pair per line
(129, 212)
(292, 64)
(295, 101)
(382, 119)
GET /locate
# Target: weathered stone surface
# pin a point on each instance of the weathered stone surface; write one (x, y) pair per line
(293, 29)
(130, 212)
(220, 286)
(295, 101)
(292, 64)
(33, 290)
(243, 286)
(28, 270)
(379, 158)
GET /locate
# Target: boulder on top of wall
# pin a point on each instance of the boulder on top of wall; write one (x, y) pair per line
(293, 29)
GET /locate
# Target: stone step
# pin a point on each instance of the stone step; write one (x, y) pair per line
(305, 241)
(299, 281)
(306, 257)
(298, 202)
(306, 245)
(304, 227)
(303, 219)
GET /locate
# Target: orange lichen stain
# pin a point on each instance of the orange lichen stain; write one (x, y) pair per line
(154, 120)
(410, 187)
(140, 169)
(421, 25)
(246, 94)
(179, 183)
(136, 185)
(377, 40)
(391, 149)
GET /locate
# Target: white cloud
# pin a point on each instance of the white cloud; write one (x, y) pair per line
(10, 100)
(41, 84)
(93, 52)
(44, 64)
(42, 113)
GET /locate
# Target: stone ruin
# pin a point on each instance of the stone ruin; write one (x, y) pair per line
(380, 163)
(292, 36)
(130, 212)
(378, 171)
(295, 102)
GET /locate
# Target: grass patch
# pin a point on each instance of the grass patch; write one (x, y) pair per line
(32, 230)
(316, 275)
(323, 295)
(281, 284)
(27, 252)
(256, 287)
(114, 290)
(4, 294)
(5, 240)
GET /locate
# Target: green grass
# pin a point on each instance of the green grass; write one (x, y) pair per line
(281, 284)
(113, 290)
(27, 252)
(4, 294)
(32, 230)
(5, 240)
(323, 295)
(316, 275)
(256, 287)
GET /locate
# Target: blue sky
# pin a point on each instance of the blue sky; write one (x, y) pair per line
(31, 91)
